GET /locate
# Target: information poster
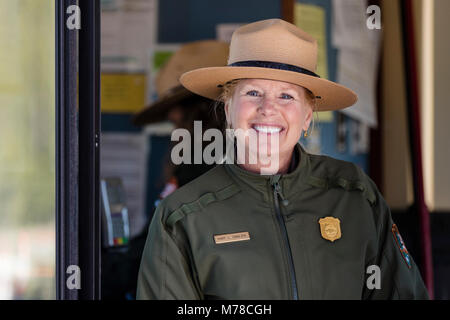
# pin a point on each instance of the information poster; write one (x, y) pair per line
(158, 57)
(312, 19)
(358, 57)
(123, 92)
(128, 32)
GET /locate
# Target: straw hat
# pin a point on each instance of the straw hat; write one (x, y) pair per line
(276, 50)
(190, 56)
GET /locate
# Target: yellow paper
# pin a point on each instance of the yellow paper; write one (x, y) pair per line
(122, 92)
(311, 19)
(325, 116)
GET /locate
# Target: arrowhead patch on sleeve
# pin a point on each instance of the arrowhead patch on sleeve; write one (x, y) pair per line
(401, 246)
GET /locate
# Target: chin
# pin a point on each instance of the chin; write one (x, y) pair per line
(268, 150)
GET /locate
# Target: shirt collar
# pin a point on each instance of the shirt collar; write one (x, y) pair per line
(259, 185)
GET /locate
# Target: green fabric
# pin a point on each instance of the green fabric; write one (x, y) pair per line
(345, 184)
(201, 203)
(182, 259)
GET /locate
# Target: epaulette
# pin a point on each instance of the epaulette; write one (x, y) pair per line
(348, 185)
(200, 203)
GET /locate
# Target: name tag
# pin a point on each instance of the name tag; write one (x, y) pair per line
(231, 237)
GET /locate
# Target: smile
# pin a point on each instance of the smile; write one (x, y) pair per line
(267, 129)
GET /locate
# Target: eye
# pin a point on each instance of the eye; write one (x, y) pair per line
(286, 96)
(253, 93)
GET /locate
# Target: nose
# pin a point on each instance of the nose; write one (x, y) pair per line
(268, 106)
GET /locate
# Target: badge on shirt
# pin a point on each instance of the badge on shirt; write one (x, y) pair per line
(330, 228)
(401, 245)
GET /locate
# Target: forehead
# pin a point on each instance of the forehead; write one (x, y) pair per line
(270, 84)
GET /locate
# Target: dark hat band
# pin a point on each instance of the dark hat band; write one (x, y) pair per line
(273, 65)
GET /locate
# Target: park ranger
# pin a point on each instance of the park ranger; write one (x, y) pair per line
(312, 227)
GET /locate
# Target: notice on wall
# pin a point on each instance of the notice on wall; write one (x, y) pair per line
(159, 55)
(312, 19)
(360, 137)
(358, 57)
(123, 92)
(349, 23)
(357, 70)
(128, 32)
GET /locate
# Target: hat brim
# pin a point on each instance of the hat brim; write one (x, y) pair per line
(207, 81)
(158, 111)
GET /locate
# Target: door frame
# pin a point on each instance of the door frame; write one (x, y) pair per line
(77, 154)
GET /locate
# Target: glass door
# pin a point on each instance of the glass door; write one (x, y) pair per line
(27, 149)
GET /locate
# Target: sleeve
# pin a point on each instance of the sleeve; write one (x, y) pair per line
(164, 272)
(399, 275)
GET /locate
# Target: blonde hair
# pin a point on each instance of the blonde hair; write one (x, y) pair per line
(230, 87)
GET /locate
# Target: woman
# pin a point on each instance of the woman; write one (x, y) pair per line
(310, 228)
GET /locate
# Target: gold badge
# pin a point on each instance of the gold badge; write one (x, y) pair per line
(330, 228)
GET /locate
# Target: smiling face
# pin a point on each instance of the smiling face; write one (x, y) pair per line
(270, 108)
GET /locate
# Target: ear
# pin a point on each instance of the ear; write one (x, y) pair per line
(308, 119)
(227, 111)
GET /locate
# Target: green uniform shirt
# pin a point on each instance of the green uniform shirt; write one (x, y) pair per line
(233, 234)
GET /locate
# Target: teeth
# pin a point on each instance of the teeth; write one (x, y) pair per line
(265, 129)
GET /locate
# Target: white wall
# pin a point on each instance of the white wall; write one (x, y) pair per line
(441, 105)
(397, 179)
(432, 24)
